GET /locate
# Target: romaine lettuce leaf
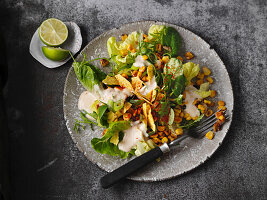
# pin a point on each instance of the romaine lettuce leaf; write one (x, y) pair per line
(203, 90)
(105, 146)
(143, 147)
(155, 32)
(88, 74)
(115, 49)
(190, 71)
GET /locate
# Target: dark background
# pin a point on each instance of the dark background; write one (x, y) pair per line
(38, 136)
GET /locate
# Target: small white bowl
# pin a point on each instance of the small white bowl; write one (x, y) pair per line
(73, 44)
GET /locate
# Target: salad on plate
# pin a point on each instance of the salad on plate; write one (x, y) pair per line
(150, 96)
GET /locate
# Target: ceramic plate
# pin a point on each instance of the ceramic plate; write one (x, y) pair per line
(73, 44)
(191, 152)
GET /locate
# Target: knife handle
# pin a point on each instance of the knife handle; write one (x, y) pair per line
(132, 166)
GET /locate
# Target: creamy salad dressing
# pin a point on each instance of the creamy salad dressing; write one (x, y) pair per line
(191, 109)
(132, 135)
(87, 98)
(149, 86)
(140, 62)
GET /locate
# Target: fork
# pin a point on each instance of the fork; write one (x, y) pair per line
(146, 158)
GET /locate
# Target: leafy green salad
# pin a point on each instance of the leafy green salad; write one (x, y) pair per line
(150, 96)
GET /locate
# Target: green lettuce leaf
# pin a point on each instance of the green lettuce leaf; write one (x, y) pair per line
(203, 90)
(115, 48)
(190, 71)
(104, 146)
(172, 38)
(155, 33)
(174, 67)
(143, 147)
(88, 74)
(179, 85)
(102, 116)
(115, 106)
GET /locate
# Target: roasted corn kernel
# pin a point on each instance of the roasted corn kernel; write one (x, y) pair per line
(189, 55)
(104, 62)
(160, 133)
(161, 128)
(180, 58)
(209, 112)
(170, 138)
(145, 78)
(145, 57)
(209, 135)
(177, 111)
(142, 69)
(186, 115)
(206, 71)
(221, 103)
(178, 119)
(188, 118)
(158, 47)
(194, 118)
(221, 108)
(134, 73)
(164, 140)
(222, 118)
(201, 107)
(165, 59)
(200, 75)
(156, 140)
(127, 116)
(124, 75)
(124, 37)
(217, 126)
(199, 81)
(154, 135)
(207, 102)
(212, 93)
(179, 131)
(210, 80)
(166, 133)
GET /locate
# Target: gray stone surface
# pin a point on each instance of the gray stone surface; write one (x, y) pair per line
(45, 163)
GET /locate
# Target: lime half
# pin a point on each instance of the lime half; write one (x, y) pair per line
(53, 32)
(56, 54)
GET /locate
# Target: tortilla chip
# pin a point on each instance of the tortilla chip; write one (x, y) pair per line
(145, 109)
(110, 80)
(150, 120)
(150, 72)
(115, 138)
(137, 83)
(111, 116)
(127, 106)
(154, 95)
(123, 82)
(140, 96)
(149, 95)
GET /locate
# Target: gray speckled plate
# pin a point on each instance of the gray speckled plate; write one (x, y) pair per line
(191, 152)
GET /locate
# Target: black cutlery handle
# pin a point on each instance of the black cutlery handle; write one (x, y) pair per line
(132, 166)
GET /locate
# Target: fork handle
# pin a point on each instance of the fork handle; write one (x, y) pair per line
(132, 166)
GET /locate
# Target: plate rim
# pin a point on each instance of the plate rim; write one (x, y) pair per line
(175, 26)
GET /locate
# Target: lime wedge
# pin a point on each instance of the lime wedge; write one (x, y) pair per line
(53, 32)
(56, 54)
